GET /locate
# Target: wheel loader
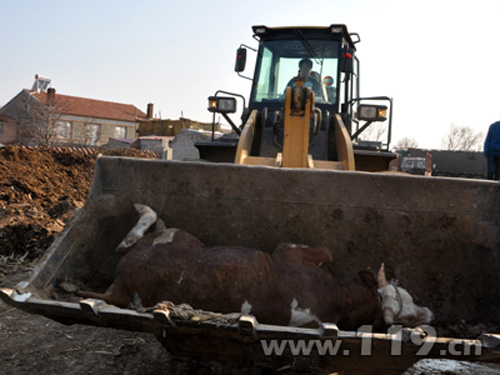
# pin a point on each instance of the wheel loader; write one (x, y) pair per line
(295, 171)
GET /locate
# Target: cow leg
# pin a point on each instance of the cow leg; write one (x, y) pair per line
(115, 295)
(148, 218)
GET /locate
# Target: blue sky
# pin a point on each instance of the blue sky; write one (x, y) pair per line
(439, 60)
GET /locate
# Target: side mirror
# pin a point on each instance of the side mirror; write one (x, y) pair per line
(241, 59)
(347, 61)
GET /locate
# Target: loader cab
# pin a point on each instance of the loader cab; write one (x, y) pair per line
(281, 51)
(334, 78)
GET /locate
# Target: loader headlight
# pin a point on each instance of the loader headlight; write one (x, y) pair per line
(221, 104)
(372, 112)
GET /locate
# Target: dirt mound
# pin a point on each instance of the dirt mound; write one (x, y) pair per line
(40, 189)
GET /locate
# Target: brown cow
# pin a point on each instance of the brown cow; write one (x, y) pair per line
(286, 288)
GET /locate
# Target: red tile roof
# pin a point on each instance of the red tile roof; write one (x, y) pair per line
(73, 105)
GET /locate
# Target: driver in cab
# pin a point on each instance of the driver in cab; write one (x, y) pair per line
(305, 68)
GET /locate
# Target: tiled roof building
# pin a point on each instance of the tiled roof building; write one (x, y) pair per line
(45, 117)
(99, 109)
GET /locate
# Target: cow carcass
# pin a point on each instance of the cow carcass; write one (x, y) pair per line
(287, 287)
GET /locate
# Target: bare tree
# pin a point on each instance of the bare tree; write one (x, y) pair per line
(91, 132)
(375, 132)
(41, 123)
(462, 138)
(405, 143)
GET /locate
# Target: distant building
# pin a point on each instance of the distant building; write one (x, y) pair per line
(161, 127)
(466, 164)
(40, 116)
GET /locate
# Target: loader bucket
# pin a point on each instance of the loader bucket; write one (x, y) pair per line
(437, 236)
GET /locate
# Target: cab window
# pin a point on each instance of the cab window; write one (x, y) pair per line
(280, 64)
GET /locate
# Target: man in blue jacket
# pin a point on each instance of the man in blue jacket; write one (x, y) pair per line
(492, 151)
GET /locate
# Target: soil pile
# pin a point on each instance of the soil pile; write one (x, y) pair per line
(40, 189)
